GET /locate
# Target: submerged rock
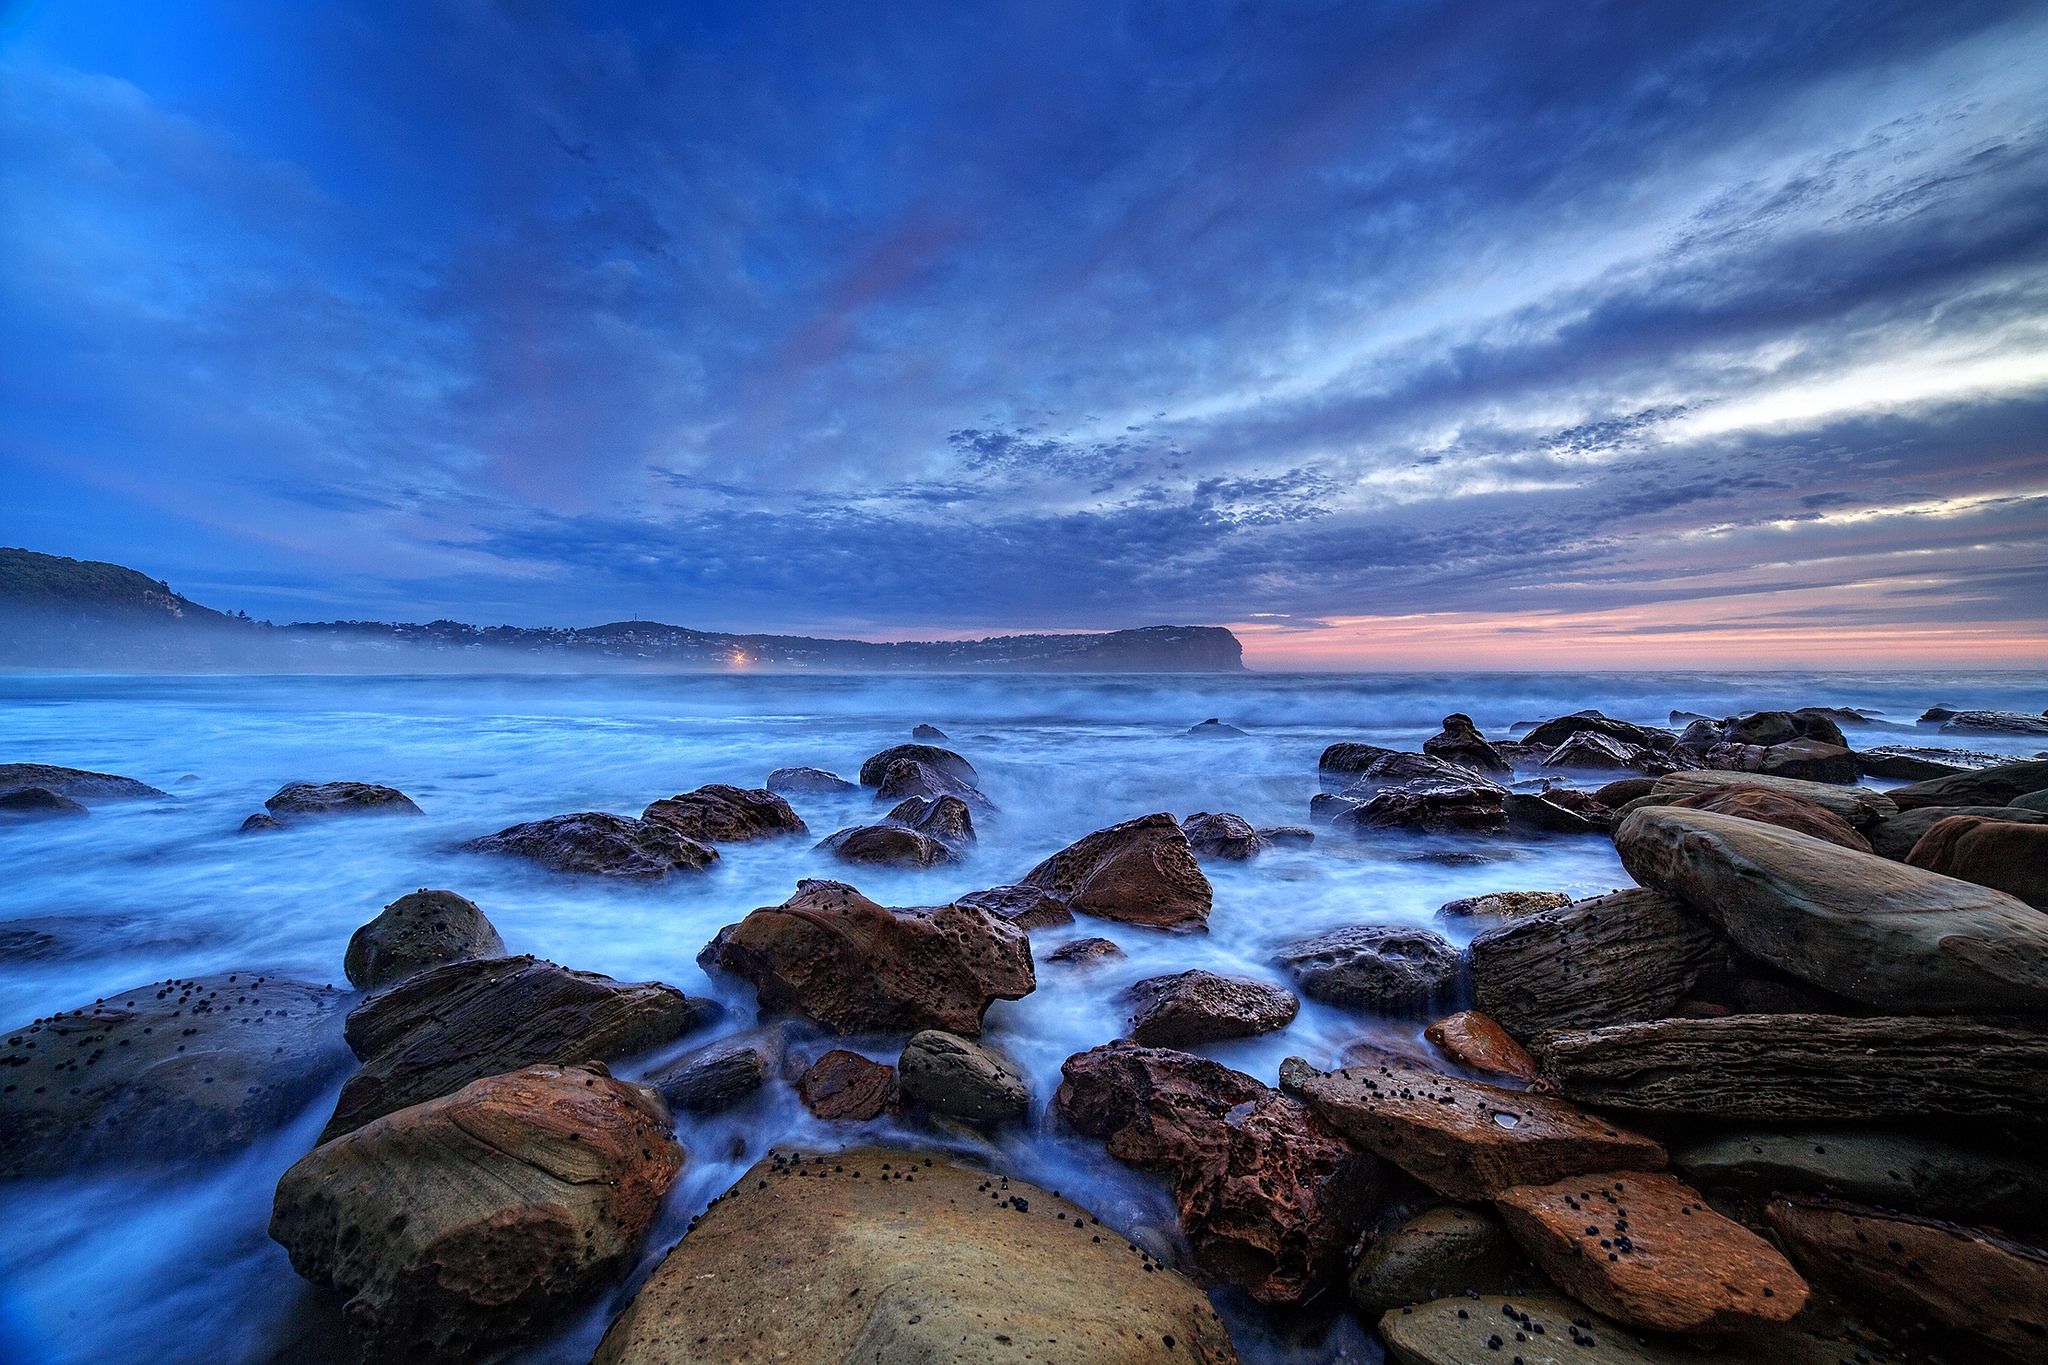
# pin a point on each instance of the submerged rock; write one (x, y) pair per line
(1213, 728)
(887, 846)
(847, 1087)
(1225, 836)
(79, 784)
(927, 732)
(1390, 968)
(313, 800)
(945, 760)
(1196, 1007)
(962, 1079)
(2002, 854)
(417, 931)
(36, 803)
(1139, 872)
(1084, 950)
(1287, 836)
(601, 844)
(808, 780)
(720, 814)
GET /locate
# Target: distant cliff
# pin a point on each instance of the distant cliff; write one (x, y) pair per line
(68, 613)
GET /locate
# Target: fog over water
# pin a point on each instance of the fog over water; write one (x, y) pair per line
(176, 1266)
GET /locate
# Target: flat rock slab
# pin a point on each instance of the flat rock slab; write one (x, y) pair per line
(80, 784)
(1189, 1008)
(315, 800)
(1547, 1329)
(600, 844)
(1138, 872)
(1858, 806)
(1865, 927)
(1626, 956)
(1985, 787)
(1794, 1068)
(1963, 1278)
(838, 1261)
(1923, 1176)
(1476, 1042)
(1895, 836)
(1465, 1139)
(183, 1068)
(438, 1031)
(718, 813)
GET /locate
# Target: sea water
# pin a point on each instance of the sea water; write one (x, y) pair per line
(175, 1265)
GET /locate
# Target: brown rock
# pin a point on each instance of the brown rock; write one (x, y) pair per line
(312, 800)
(847, 1086)
(415, 932)
(1462, 744)
(1466, 1139)
(77, 784)
(1894, 836)
(721, 814)
(906, 778)
(887, 846)
(1552, 733)
(1645, 1250)
(1083, 950)
(1587, 751)
(834, 955)
(1775, 808)
(1963, 1278)
(945, 818)
(1287, 836)
(1477, 1043)
(1445, 808)
(719, 1075)
(1504, 904)
(813, 781)
(40, 803)
(1807, 760)
(2001, 854)
(1270, 1198)
(1342, 763)
(1861, 807)
(600, 843)
(1027, 907)
(1389, 968)
(1191, 1008)
(945, 760)
(1225, 836)
(1985, 787)
(1630, 955)
(1624, 789)
(478, 1218)
(1139, 872)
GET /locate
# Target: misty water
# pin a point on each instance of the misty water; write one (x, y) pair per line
(174, 1265)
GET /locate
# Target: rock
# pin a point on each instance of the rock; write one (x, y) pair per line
(1270, 1198)
(1775, 808)
(1624, 789)
(1388, 968)
(1477, 1043)
(1138, 872)
(1895, 1170)
(601, 844)
(1224, 836)
(809, 780)
(945, 760)
(2019, 808)
(1556, 812)
(1588, 751)
(945, 818)
(481, 1217)
(1213, 728)
(2002, 854)
(1799, 1068)
(1780, 727)
(1410, 772)
(313, 800)
(1963, 1278)
(962, 1079)
(1444, 1250)
(1196, 1007)
(927, 732)
(887, 846)
(1934, 715)
(1995, 723)
(37, 803)
(178, 1069)
(1552, 733)
(1027, 907)
(1472, 808)
(834, 1261)
(1287, 836)
(1698, 738)
(832, 954)
(1505, 904)
(1645, 1250)
(420, 930)
(1739, 984)
(1861, 926)
(1462, 744)
(1457, 1331)
(1903, 767)
(1323, 808)
(1807, 760)
(1466, 1139)
(847, 1087)
(436, 1032)
(907, 778)
(1341, 763)
(719, 814)
(1859, 806)
(261, 823)
(1083, 950)
(719, 1075)
(79, 784)
(1985, 787)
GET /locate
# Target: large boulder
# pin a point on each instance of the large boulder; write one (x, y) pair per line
(1387, 968)
(1139, 872)
(835, 956)
(419, 930)
(907, 778)
(2002, 854)
(945, 760)
(1190, 1008)
(1552, 733)
(1985, 787)
(1765, 728)
(1270, 1198)
(79, 784)
(1441, 1251)
(1588, 751)
(1895, 836)
(1470, 807)
(479, 1218)
(1461, 743)
(720, 814)
(963, 1079)
(177, 1069)
(1995, 723)
(1558, 810)
(846, 1087)
(315, 800)
(945, 818)
(717, 1076)
(808, 781)
(1922, 1175)
(601, 844)
(1775, 808)
(436, 1032)
(1630, 955)
(36, 803)
(1861, 807)
(888, 846)
(879, 1254)
(1341, 764)
(1864, 927)
(1410, 772)
(1465, 1139)
(1224, 836)
(1807, 760)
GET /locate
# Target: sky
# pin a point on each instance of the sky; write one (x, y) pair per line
(1387, 334)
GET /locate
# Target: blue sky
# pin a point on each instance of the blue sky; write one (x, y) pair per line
(907, 319)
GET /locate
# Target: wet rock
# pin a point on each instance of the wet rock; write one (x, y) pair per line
(1323, 807)
(1228, 837)
(1083, 950)
(1558, 811)
(945, 818)
(1552, 733)
(1588, 751)
(1466, 1139)
(1801, 1068)
(1341, 764)
(1985, 787)
(835, 1261)
(314, 800)
(1457, 1331)
(1995, 723)
(481, 1217)
(719, 1075)
(1388, 968)
(2002, 854)
(1442, 1251)
(1138, 872)
(1775, 808)
(1287, 836)
(927, 732)
(175, 1070)
(1905, 767)
(1765, 728)
(1477, 1043)
(945, 760)
(832, 954)
(1921, 1175)
(809, 780)
(1806, 760)
(1934, 715)
(906, 778)
(962, 1079)
(887, 846)
(79, 784)
(2019, 808)
(720, 814)
(417, 931)
(846, 1087)
(436, 1032)
(1861, 926)
(1860, 807)
(1213, 728)
(1196, 1007)
(36, 803)
(1430, 808)
(1269, 1196)
(1645, 1250)
(600, 844)
(1613, 959)
(1895, 837)
(262, 822)
(1964, 1278)
(1740, 984)
(1461, 743)
(1027, 907)
(1405, 772)
(1504, 904)
(1623, 790)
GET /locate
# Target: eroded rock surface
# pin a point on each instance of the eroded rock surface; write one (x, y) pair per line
(848, 1087)
(1442, 1251)
(1477, 1043)
(717, 813)
(907, 778)
(1775, 808)
(1139, 872)
(79, 784)
(601, 844)
(1190, 1008)
(1921, 1175)
(1224, 836)
(417, 931)
(1630, 955)
(1504, 904)
(1461, 743)
(1027, 907)
(1390, 968)
(815, 781)
(945, 760)
(963, 1079)
(1895, 836)
(2005, 855)
(888, 846)
(719, 1075)
(316, 800)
